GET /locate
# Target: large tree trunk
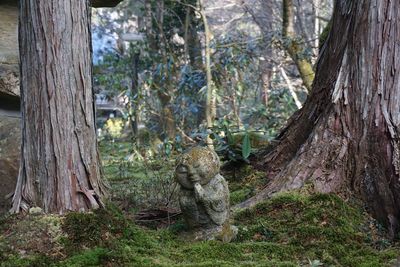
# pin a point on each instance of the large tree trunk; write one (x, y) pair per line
(60, 169)
(345, 138)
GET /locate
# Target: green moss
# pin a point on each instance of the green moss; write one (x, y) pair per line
(29, 261)
(92, 229)
(244, 184)
(240, 195)
(320, 226)
(90, 257)
(288, 230)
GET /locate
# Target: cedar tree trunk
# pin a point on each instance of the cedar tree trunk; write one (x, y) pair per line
(60, 169)
(346, 137)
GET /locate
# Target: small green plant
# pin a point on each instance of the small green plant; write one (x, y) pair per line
(235, 144)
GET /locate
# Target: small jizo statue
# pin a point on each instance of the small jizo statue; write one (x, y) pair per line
(204, 195)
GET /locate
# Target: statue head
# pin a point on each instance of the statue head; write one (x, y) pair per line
(199, 164)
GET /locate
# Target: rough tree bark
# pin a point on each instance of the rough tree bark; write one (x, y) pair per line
(346, 137)
(60, 168)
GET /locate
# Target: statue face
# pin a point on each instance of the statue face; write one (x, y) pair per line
(182, 176)
(199, 165)
(187, 176)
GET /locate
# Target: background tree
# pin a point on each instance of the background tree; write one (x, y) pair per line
(345, 138)
(294, 46)
(60, 169)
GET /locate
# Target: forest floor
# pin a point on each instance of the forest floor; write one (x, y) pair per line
(142, 226)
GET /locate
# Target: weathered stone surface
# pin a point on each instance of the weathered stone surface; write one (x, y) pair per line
(204, 195)
(10, 140)
(9, 34)
(9, 79)
(10, 136)
(9, 57)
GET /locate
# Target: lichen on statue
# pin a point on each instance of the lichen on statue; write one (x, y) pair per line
(204, 194)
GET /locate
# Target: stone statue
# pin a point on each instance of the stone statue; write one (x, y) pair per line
(204, 195)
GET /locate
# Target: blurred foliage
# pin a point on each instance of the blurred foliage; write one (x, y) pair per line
(236, 71)
(113, 127)
(235, 144)
(139, 179)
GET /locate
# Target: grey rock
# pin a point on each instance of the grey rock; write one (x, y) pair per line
(10, 143)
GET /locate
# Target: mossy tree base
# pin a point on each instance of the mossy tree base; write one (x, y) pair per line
(345, 138)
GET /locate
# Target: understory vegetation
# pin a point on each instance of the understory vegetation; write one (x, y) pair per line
(290, 229)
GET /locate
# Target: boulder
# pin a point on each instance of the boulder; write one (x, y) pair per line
(10, 142)
(8, 33)
(9, 79)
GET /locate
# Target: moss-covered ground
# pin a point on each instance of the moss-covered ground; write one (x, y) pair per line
(291, 229)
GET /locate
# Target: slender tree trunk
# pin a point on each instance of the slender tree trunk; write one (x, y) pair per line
(194, 43)
(168, 119)
(293, 45)
(346, 137)
(193, 49)
(159, 45)
(290, 87)
(148, 21)
(211, 105)
(186, 26)
(134, 102)
(265, 23)
(316, 4)
(266, 75)
(60, 169)
(236, 103)
(163, 43)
